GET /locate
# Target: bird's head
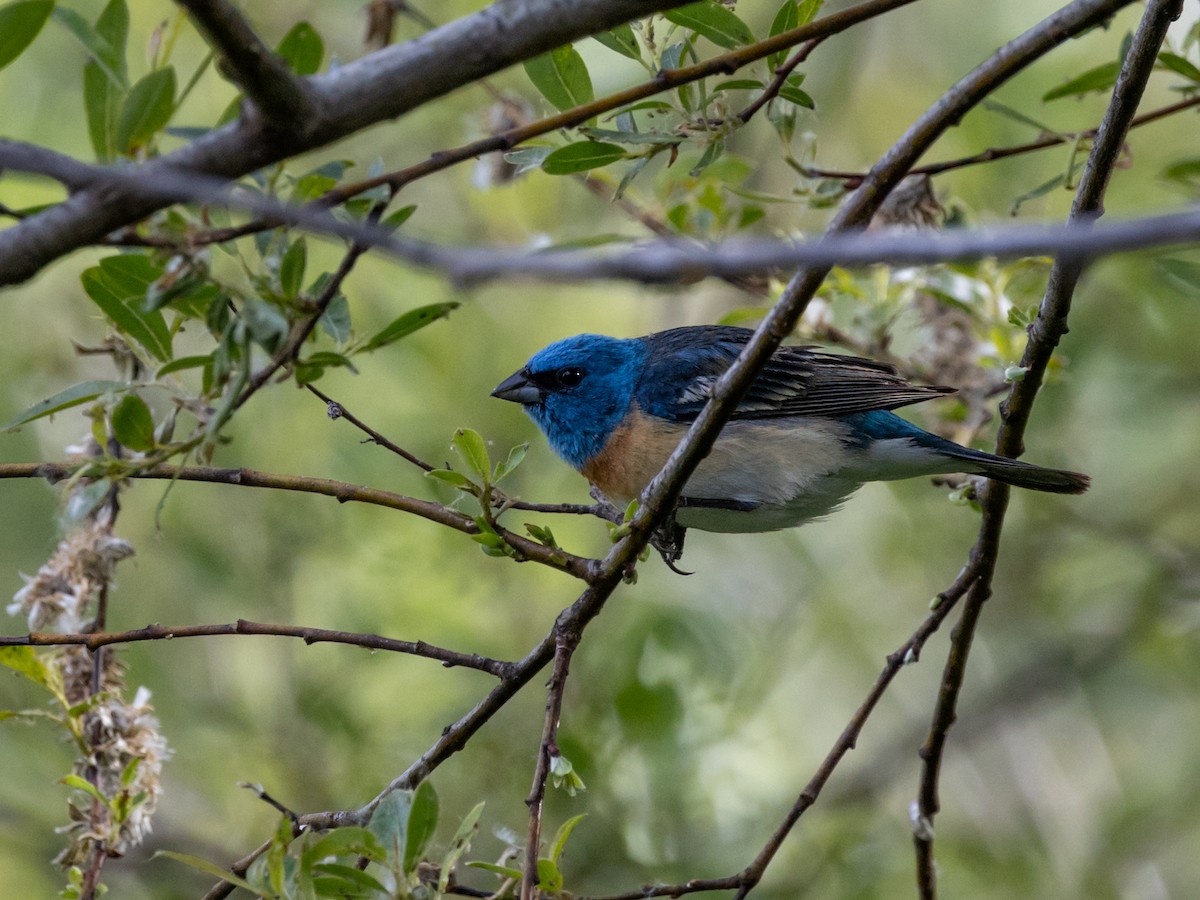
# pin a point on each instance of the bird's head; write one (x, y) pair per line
(578, 390)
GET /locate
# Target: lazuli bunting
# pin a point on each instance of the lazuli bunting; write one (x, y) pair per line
(811, 430)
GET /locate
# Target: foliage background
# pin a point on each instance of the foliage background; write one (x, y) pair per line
(699, 706)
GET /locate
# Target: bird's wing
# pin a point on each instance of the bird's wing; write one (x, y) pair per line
(683, 364)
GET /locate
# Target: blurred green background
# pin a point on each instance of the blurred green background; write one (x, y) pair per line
(698, 707)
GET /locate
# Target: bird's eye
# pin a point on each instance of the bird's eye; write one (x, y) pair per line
(569, 378)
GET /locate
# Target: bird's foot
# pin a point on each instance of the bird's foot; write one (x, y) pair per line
(668, 541)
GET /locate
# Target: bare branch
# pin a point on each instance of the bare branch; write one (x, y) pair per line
(1045, 333)
(566, 641)
(280, 97)
(553, 557)
(679, 261)
(97, 639)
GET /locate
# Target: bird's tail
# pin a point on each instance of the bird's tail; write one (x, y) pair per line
(1019, 474)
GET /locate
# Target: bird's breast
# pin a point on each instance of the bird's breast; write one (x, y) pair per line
(634, 453)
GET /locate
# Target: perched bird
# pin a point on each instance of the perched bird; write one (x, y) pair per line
(810, 431)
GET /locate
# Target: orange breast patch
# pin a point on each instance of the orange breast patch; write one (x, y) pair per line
(634, 454)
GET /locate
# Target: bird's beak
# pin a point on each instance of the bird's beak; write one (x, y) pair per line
(519, 389)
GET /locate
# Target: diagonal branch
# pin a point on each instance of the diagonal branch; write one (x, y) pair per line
(280, 97)
(1045, 333)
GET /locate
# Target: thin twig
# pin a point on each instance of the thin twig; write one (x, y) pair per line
(566, 641)
(1045, 333)
(304, 327)
(994, 153)
(337, 411)
(781, 76)
(95, 640)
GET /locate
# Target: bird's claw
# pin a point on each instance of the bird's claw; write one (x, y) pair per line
(668, 541)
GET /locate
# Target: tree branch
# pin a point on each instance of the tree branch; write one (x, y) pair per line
(565, 644)
(1045, 333)
(97, 639)
(381, 86)
(677, 261)
(553, 557)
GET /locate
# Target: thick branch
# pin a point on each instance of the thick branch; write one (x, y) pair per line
(381, 86)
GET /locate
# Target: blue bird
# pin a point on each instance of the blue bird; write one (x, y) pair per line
(812, 429)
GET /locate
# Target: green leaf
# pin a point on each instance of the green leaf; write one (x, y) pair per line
(133, 425)
(630, 174)
(208, 868)
(82, 784)
(739, 84)
(1183, 275)
(713, 21)
(564, 832)
(302, 49)
(394, 220)
(102, 106)
(348, 881)
(335, 321)
(622, 40)
(458, 479)
(347, 841)
(1100, 78)
(549, 878)
(422, 820)
(562, 77)
(1040, 191)
(110, 288)
(72, 396)
(19, 25)
(130, 274)
(267, 325)
(147, 108)
(113, 26)
(526, 158)
(791, 91)
(809, 10)
(786, 19)
(541, 534)
(107, 58)
(459, 844)
(25, 661)
(1180, 66)
(632, 137)
(581, 156)
(291, 269)
(413, 320)
(388, 824)
(473, 450)
(502, 871)
(515, 455)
